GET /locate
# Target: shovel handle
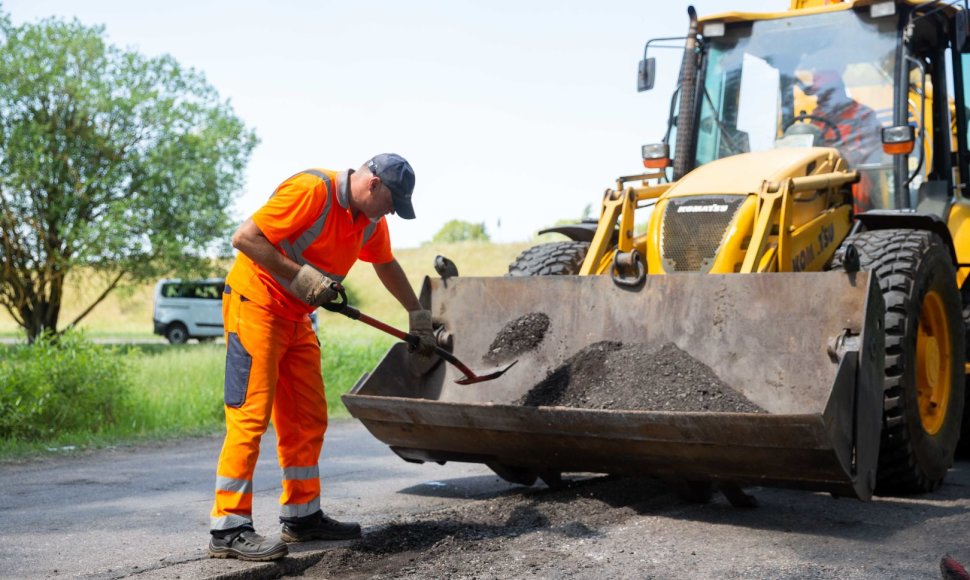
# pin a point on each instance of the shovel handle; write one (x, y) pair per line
(341, 307)
(413, 341)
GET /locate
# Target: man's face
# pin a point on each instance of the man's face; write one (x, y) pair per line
(828, 96)
(378, 202)
(828, 90)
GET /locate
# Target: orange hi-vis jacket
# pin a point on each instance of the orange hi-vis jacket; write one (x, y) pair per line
(859, 139)
(308, 219)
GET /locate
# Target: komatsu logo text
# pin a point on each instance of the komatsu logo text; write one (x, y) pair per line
(709, 208)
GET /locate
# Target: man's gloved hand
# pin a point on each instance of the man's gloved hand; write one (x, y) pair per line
(421, 327)
(312, 287)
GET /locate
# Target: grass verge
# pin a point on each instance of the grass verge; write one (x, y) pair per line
(176, 391)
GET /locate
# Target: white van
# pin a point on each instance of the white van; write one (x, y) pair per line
(187, 309)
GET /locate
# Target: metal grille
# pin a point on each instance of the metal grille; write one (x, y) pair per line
(693, 228)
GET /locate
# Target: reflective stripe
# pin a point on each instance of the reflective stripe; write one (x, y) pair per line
(312, 172)
(369, 232)
(295, 473)
(343, 192)
(233, 485)
(299, 510)
(294, 250)
(229, 522)
(319, 174)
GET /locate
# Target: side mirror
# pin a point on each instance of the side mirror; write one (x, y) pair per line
(898, 140)
(646, 74)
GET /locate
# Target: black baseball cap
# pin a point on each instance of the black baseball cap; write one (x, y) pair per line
(395, 172)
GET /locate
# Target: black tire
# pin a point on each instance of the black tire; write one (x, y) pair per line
(910, 266)
(552, 259)
(963, 448)
(176, 333)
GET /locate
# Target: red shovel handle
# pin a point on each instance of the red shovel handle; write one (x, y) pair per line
(349, 311)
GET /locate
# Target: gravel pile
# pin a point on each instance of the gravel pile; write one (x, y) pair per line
(472, 541)
(517, 337)
(636, 376)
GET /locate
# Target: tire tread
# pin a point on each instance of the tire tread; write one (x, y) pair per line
(895, 256)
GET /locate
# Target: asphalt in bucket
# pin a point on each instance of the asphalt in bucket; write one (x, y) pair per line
(636, 376)
(517, 337)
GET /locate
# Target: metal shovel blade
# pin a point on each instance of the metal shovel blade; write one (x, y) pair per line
(470, 377)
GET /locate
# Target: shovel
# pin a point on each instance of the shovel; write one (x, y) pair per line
(470, 376)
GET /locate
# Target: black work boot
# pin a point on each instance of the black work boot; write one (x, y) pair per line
(246, 544)
(318, 527)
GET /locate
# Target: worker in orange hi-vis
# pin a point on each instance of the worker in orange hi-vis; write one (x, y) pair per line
(294, 251)
(849, 126)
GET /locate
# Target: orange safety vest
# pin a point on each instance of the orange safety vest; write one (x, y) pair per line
(859, 130)
(308, 219)
(858, 127)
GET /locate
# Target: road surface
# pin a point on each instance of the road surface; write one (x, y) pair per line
(143, 512)
(137, 510)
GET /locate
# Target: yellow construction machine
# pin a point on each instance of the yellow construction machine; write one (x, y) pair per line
(808, 240)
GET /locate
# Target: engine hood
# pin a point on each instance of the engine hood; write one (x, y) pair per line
(745, 173)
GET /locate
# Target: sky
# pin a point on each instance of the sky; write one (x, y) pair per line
(513, 113)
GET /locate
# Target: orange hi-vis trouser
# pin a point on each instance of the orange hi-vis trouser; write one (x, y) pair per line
(272, 370)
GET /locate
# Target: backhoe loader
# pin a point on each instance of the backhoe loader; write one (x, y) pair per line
(808, 240)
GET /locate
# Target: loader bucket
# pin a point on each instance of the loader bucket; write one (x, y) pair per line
(806, 348)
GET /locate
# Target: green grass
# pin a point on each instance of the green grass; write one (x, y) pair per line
(176, 391)
(179, 389)
(345, 358)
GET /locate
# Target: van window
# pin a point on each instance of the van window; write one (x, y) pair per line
(202, 290)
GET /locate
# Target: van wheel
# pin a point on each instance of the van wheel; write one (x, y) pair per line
(552, 259)
(924, 376)
(176, 333)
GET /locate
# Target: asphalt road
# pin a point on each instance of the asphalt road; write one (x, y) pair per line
(143, 512)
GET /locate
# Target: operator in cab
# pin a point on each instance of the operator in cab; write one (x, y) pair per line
(849, 126)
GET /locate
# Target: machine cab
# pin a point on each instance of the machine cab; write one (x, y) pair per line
(835, 75)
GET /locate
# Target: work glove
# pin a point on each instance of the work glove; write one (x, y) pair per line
(421, 327)
(312, 287)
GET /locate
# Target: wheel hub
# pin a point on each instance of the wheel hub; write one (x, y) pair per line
(933, 363)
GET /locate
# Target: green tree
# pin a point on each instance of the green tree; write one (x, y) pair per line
(109, 160)
(460, 231)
